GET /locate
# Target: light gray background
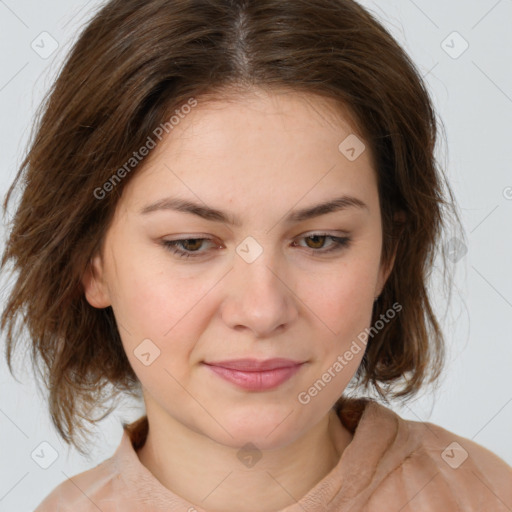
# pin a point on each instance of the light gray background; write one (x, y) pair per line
(473, 95)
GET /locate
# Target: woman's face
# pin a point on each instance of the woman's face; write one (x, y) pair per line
(273, 284)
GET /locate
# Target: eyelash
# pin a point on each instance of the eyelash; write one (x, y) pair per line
(339, 244)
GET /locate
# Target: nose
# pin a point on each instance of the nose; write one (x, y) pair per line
(260, 300)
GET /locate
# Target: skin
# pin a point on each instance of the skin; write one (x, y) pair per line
(258, 156)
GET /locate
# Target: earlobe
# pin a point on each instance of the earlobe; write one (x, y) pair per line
(96, 292)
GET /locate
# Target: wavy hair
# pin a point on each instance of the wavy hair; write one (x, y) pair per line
(132, 66)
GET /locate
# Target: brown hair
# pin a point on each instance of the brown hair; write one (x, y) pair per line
(133, 65)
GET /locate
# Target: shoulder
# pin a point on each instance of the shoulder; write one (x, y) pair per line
(468, 475)
(99, 488)
(111, 486)
(87, 491)
(419, 466)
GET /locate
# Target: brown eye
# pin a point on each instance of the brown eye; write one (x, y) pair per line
(316, 241)
(192, 244)
(186, 247)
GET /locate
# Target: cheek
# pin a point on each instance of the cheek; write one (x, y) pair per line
(154, 302)
(158, 324)
(342, 299)
(342, 304)
(145, 303)
(147, 293)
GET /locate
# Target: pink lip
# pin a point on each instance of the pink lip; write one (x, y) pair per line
(255, 365)
(255, 375)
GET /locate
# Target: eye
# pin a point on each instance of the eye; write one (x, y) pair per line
(318, 240)
(190, 247)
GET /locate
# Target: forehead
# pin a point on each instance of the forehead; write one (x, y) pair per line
(265, 145)
(262, 116)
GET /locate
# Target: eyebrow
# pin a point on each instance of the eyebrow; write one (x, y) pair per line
(212, 214)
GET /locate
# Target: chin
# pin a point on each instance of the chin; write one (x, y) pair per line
(274, 428)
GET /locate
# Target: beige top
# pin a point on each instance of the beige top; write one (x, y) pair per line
(391, 465)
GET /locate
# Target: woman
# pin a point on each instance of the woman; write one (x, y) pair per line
(232, 208)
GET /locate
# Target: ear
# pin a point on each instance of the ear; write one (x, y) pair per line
(96, 291)
(385, 269)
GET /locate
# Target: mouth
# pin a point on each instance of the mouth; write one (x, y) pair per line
(254, 365)
(254, 375)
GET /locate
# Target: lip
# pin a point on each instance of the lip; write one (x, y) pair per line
(255, 365)
(254, 375)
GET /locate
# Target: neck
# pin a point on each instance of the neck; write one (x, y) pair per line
(221, 482)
